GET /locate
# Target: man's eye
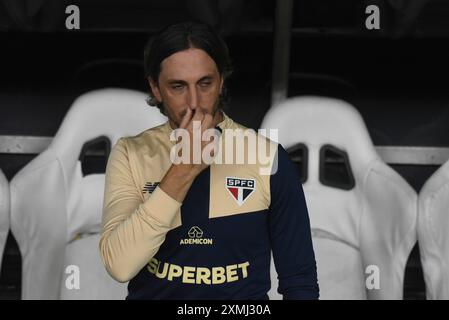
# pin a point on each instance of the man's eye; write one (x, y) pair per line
(177, 86)
(205, 83)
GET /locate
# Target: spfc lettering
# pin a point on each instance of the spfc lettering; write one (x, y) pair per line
(240, 189)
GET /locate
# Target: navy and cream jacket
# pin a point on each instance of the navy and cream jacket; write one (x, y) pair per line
(217, 244)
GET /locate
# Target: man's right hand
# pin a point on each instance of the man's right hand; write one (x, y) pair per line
(179, 177)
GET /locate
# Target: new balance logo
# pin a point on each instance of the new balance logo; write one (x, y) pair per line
(149, 187)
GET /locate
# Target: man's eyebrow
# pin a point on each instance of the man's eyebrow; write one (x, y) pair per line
(207, 77)
(176, 81)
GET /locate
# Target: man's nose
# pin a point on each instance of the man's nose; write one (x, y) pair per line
(193, 98)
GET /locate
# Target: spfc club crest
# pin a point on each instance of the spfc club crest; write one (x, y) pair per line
(240, 189)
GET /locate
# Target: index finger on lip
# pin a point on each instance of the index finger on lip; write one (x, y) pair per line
(186, 119)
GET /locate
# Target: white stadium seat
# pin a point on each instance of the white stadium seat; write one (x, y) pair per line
(4, 214)
(361, 230)
(56, 211)
(433, 236)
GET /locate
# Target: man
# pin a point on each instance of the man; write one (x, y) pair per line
(198, 230)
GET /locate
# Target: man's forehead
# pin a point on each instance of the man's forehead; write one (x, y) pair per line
(188, 64)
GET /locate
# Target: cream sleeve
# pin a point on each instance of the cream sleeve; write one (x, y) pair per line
(132, 230)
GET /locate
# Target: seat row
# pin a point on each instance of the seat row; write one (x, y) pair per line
(363, 227)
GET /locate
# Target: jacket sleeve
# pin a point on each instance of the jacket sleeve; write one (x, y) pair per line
(132, 229)
(290, 232)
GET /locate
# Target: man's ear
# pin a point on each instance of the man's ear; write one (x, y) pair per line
(155, 89)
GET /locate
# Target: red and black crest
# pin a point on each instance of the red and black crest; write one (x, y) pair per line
(240, 189)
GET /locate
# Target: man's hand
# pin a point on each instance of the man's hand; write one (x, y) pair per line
(179, 177)
(200, 122)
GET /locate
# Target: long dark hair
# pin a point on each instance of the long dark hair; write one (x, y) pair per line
(179, 37)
